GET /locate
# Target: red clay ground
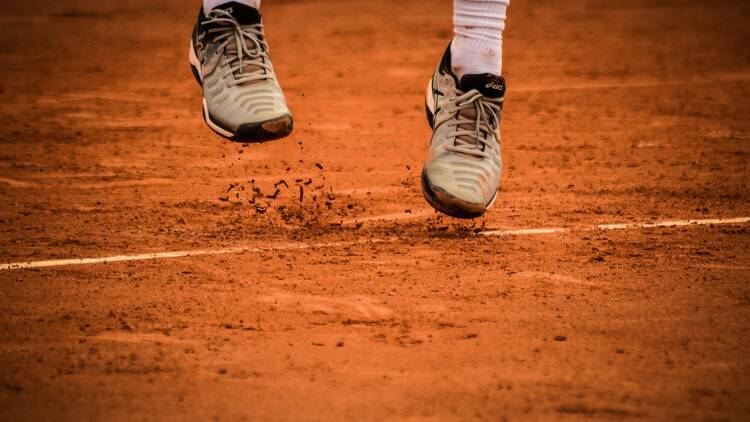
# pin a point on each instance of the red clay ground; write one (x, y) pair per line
(617, 111)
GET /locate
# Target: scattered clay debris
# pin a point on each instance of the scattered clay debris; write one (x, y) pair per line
(281, 182)
(300, 201)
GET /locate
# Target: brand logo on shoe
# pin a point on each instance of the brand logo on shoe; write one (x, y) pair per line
(494, 85)
(229, 10)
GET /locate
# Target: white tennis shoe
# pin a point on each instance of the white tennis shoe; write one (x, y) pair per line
(242, 99)
(461, 176)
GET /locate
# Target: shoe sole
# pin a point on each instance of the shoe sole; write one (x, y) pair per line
(247, 132)
(436, 196)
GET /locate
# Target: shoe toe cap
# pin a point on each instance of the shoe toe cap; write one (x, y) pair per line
(458, 192)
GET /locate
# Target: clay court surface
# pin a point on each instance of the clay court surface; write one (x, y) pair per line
(610, 281)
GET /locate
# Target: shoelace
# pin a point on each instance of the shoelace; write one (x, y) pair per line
(247, 44)
(484, 125)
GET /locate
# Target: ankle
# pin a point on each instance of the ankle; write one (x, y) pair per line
(469, 57)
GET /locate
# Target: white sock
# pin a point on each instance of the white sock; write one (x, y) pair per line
(477, 45)
(210, 4)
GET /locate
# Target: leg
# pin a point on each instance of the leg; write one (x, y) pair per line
(478, 36)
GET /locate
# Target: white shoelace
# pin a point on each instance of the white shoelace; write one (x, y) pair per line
(484, 125)
(247, 45)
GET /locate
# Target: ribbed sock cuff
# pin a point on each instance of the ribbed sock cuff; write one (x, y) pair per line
(478, 36)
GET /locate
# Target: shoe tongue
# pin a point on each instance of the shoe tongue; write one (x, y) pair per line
(471, 114)
(489, 85)
(244, 14)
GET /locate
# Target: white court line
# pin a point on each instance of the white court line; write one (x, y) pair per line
(179, 254)
(621, 226)
(524, 232)
(300, 246)
(633, 83)
(17, 183)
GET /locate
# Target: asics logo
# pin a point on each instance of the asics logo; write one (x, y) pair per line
(494, 85)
